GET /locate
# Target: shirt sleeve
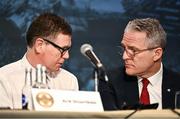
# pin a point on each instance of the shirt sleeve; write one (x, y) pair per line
(5, 92)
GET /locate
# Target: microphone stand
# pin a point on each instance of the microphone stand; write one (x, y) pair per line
(99, 74)
(96, 81)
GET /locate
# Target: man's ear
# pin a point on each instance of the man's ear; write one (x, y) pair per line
(158, 52)
(38, 45)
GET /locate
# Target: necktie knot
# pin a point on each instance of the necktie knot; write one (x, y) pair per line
(145, 82)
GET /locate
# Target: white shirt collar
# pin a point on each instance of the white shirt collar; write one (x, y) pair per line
(26, 63)
(153, 79)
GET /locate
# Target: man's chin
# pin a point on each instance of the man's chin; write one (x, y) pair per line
(57, 69)
(130, 72)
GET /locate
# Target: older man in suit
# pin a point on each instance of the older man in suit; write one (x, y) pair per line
(143, 80)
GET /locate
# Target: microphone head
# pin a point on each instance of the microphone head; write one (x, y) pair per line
(85, 47)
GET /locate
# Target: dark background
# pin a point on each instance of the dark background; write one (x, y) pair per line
(97, 22)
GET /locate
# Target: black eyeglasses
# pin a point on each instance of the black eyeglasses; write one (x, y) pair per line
(61, 50)
(133, 52)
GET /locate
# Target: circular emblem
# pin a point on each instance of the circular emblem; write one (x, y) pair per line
(44, 99)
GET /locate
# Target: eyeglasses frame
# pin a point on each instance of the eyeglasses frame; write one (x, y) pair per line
(61, 49)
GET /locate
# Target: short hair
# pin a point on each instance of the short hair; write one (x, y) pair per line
(156, 36)
(47, 25)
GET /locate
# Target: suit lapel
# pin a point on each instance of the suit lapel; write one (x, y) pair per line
(167, 95)
(132, 92)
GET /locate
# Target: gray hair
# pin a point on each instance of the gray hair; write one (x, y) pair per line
(156, 36)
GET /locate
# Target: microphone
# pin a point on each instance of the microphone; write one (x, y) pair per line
(87, 50)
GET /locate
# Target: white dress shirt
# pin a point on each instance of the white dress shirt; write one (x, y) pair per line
(154, 88)
(12, 79)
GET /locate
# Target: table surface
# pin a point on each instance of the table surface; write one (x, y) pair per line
(120, 114)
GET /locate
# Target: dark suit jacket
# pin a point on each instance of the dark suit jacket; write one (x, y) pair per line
(122, 90)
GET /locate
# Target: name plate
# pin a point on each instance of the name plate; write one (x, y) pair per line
(60, 100)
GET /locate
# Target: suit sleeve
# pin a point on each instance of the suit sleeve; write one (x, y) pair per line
(107, 95)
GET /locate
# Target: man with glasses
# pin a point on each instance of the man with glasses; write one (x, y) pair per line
(48, 43)
(143, 81)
